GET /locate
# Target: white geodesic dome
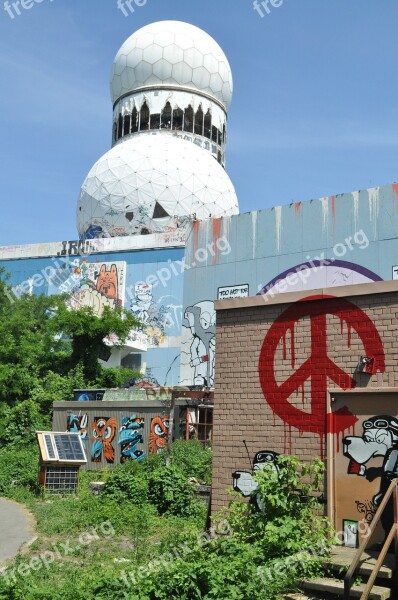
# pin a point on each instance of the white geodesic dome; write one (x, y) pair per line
(172, 53)
(147, 182)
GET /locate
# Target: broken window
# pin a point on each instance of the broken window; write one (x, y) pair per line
(188, 119)
(114, 131)
(120, 127)
(159, 212)
(144, 117)
(177, 119)
(207, 124)
(166, 116)
(155, 121)
(199, 121)
(134, 120)
(214, 134)
(127, 124)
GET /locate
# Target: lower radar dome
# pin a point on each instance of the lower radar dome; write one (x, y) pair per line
(150, 183)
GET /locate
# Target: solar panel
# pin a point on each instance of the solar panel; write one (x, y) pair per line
(49, 446)
(69, 447)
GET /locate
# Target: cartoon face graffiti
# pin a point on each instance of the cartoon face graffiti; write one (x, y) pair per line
(380, 434)
(159, 434)
(104, 429)
(107, 282)
(130, 435)
(78, 424)
(245, 483)
(201, 319)
(379, 438)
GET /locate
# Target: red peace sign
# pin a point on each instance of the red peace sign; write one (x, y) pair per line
(318, 367)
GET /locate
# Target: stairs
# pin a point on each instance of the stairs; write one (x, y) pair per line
(331, 587)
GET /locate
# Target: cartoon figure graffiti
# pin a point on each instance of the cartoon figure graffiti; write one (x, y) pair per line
(155, 316)
(245, 483)
(200, 319)
(97, 286)
(78, 424)
(130, 435)
(159, 434)
(379, 439)
(107, 282)
(103, 433)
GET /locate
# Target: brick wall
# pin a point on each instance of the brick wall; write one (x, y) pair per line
(329, 335)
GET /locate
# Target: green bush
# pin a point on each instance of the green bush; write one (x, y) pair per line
(193, 460)
(127, 483)
(20, 466)
(169, 491)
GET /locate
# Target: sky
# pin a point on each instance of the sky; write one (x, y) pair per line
(314, 112)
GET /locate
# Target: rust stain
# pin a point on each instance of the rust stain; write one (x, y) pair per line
(216, 237)
(297, 207)
(196, 225)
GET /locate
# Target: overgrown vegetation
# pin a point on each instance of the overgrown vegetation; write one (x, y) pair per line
(144, 537)
(158, 549)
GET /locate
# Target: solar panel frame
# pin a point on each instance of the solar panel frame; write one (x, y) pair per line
(63, 447)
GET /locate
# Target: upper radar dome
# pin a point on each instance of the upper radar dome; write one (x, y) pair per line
(172, 53)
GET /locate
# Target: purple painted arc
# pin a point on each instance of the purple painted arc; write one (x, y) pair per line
(320, 263)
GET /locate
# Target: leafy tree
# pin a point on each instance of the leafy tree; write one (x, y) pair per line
(46, 350)
(87, 333)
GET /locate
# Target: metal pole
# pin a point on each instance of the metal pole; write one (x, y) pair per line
(171, 429)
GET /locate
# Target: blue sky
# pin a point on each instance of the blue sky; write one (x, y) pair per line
(315, 109)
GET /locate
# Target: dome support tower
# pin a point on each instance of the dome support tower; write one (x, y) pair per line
(171, 88)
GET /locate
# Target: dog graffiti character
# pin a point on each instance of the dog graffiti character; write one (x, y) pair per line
(245, 483)
(379, 438)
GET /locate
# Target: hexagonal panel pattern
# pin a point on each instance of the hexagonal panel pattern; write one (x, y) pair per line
(122, 190)
(188, 57)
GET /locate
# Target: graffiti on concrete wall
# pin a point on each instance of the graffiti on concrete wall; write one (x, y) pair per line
(379, 439)
(97, 286)
(318, 370)
(130, 436)
(159, 317)
(245, 483)
(103, 434)
(78, 424)
(198, 345)
(159, 434)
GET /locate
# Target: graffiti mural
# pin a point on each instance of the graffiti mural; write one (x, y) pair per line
(244, 482)
(103, 434)
(198, 345)
(157, 316)
(78, 424)
(130, 435)
(98, 285)
(159, 434)
(318, 369)
(379, 439)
